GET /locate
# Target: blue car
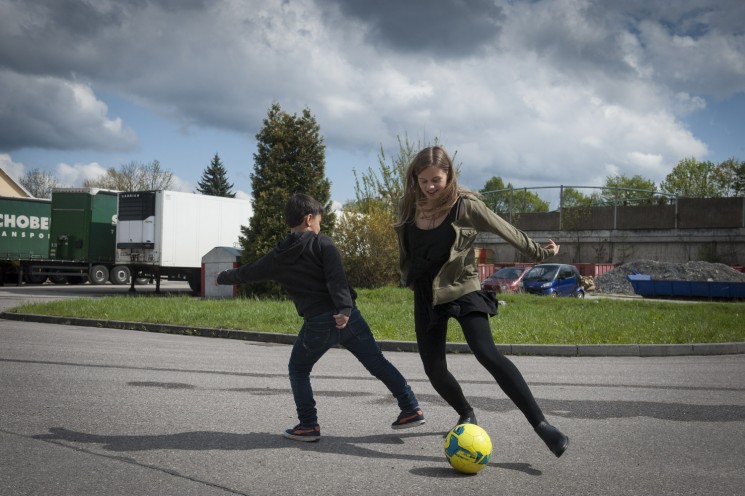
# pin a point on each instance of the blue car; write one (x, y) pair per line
(554, 280)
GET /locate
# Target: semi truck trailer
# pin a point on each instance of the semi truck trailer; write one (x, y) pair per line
(72, 242)
(166, 233)
(96, 235)
(24, 234)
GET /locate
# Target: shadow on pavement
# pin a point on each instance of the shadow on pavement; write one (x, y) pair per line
(226, 441)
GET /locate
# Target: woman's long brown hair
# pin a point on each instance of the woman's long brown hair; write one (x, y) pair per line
(414, 198)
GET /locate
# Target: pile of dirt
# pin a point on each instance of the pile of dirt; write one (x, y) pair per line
(615, 281)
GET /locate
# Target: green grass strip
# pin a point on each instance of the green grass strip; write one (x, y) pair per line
(526, 319)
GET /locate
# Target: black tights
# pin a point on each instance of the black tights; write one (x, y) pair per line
(430, 337)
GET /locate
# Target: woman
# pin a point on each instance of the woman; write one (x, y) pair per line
(438, 223)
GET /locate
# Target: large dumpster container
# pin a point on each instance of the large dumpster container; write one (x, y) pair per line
(215, 261)
(644, 286)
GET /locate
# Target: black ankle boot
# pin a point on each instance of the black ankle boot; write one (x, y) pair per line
(467, 418)
(554, 439)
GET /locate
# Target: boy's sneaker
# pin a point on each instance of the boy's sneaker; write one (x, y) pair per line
(305, 433)
(409, 419)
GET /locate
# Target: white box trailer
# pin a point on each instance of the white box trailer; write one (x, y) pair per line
(166, 233)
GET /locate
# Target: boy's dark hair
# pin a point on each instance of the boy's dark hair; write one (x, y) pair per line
(300, 205)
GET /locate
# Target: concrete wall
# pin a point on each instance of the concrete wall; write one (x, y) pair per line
(695, 229)
(710, 212)
(547, 221)
(646, 217)
(615, 246)
(689, 213)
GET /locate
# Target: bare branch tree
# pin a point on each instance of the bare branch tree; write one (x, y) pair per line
(39, 183)
(133, 176)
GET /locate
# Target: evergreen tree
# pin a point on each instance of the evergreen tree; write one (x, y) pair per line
(290, 158)
(214, 180)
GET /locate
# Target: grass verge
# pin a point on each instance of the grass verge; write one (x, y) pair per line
(525, 319)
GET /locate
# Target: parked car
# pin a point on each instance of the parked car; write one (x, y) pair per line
(506, 279)
(554, 280)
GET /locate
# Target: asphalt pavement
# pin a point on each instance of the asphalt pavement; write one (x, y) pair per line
(12, 295)
(94, 411)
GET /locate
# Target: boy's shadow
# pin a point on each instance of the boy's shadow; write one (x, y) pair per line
(209, 440)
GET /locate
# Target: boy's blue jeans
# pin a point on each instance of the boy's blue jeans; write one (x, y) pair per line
(317, 336)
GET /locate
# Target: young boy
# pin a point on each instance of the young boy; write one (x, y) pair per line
(309, 267)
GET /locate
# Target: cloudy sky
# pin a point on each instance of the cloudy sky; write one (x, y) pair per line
(541, 92)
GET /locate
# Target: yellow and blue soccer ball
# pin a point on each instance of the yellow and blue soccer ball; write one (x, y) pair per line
(468, 448)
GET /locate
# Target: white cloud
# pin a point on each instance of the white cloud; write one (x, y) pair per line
(684, 103)
(179, 184)
(712, 62)
(13, 169)
(546, 92)
(645, 160)
(242, 195)
(49, 112)
(74, 175)
(612, 170)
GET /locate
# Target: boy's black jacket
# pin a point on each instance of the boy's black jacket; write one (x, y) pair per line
(309, 268)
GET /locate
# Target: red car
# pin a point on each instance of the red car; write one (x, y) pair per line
(506, 280)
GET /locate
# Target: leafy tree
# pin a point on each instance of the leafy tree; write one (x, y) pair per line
(133, 176)
(625, 190)
(290, 158)
(387, 183)
(575, 208)
(39, 183)
(730, 177)
(364, 233)
(367, 244)
(503, 199)
(494, 195)
(572, 198)
(694, 179)
(214, 180)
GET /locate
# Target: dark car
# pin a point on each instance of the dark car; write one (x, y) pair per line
(506, 280)
(554, 280)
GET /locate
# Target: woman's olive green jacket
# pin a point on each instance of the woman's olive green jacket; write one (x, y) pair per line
(459, 275)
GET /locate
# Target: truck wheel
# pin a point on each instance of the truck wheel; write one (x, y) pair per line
(120, 275)
(58, 279)
(33, 278)
(98, 274)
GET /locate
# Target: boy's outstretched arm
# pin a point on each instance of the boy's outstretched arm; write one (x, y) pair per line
(260, 270)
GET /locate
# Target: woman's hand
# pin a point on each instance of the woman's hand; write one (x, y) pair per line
(553, 247)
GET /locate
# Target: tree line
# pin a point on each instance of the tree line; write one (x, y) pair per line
(290, 158)
(690, 178)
